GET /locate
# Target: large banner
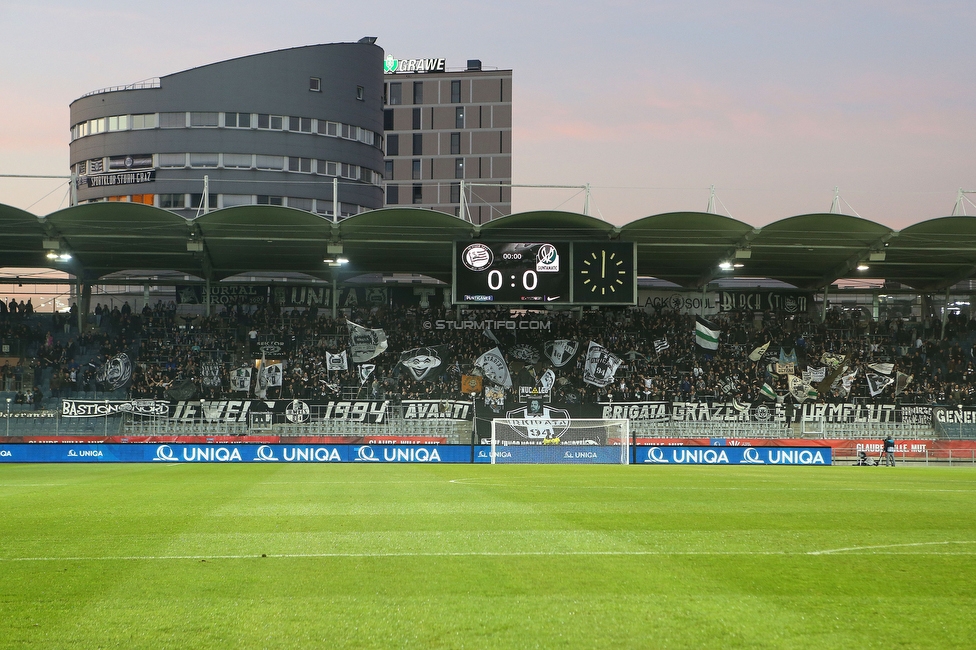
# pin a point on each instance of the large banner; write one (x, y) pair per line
(437, 409)
(788, 302)
(234, 411)
(85, 408)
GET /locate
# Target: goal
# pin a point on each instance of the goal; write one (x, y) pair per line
(553, 440)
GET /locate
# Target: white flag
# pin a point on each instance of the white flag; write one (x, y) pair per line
(336, 361)
(883, 368)
(601, 365)
(547, 381)
(493, 364)
(365, 343)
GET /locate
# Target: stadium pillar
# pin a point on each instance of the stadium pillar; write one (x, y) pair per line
(85, 292)
(945, 314)
(823, 312)
(206, 302)
(335, 297)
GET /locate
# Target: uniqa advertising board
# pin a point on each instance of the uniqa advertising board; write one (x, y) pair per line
(734, 455)
(298, 453)
(242, 453)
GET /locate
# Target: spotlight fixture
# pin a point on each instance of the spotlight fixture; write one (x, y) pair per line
(862, 267)
(725, 266)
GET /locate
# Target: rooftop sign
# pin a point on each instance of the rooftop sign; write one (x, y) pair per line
(392, 65)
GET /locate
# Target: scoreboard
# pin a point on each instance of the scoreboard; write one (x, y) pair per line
(553, 272)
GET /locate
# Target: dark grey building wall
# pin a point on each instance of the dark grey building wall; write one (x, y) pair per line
(275, 83)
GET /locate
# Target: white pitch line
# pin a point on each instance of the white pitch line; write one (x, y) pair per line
(406, 554)
(880, 546)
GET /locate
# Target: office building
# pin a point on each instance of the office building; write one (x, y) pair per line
(447, 129)
(300, 127)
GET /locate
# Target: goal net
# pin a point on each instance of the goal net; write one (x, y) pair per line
(549, 440)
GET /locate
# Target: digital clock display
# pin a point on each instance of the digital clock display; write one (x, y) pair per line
(511, 273)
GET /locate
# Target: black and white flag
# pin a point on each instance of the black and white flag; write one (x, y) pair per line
(210, 374)
(336, 361)
(426, 362)
(601, 365)
(365, 370)
(660, 345)
(274, 374)
(240, 380)
(493, 364)
(365, 343)
(561, 351)
(877, 383)
(526, 353)
(116, 372)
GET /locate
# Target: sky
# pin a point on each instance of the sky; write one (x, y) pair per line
(775, 102)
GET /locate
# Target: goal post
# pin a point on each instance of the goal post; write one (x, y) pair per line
(569, 441)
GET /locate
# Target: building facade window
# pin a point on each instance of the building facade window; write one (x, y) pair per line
(393, 145)
(416, 119)
(415, 170)
(455, 143)
(459, 117)
(396, 93)
(388, 170)
(455, 92)
(230, 200)
(418, 193)
(392, 194)
(327, 168)
(203, 160)
(300, 124)
(276, 163)
(272, 122)
(172, 201)
(264, 199)
(388, 119)
(455, 192)
(172, 120)
(418, 92)
(459, 168)
(172, 159)
(302, 165)
(237, 120)
(300, 203)
(196, 201)
(237, 160)
(418, 144)
(315, 84)
(204, 119)
(360, 93)
(144, 121)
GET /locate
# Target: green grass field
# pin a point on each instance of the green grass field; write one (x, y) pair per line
(451, 556)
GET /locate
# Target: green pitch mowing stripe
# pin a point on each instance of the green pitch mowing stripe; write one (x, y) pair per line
(428, 556)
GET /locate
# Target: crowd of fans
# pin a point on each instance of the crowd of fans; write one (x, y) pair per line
(182, 356)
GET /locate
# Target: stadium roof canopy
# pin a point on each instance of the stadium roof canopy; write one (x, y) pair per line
(807, 251)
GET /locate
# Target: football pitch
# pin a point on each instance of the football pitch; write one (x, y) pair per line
(469, 556)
